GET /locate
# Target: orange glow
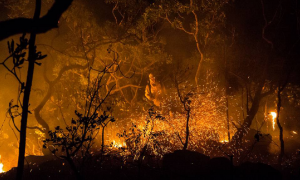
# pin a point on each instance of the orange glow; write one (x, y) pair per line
(224, 141)
(118, 145)
(1, 166)
(274, 115)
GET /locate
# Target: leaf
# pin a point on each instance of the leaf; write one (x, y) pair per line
(22, 54)
(38, 63)
(42, 57)
(21, 61)
(12, 46)
(9, 50)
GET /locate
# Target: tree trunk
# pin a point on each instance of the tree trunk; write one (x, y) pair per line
(102, 145)
(187, 133)
(51, 84)
(279, 126)
(197, 76)
(227, 117)
(238, 136)
(46, 23)
(31, 60)
(77, 174)
(280, 89)
(38, 109)
(40, 120)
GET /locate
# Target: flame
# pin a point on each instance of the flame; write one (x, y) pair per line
(274, 115)
(1, 166)
(224, 141)
(118, 145)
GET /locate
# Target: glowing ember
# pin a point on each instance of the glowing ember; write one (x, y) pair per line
(224, 141)
(294, 132)
(274, 115)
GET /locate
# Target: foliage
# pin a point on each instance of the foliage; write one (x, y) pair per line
(77, 139)
(18, 55)
(72, 139)
(143, 139)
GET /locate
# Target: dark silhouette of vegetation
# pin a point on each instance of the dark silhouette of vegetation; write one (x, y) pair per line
(104, 124)
(279, 90)
(18, 56)
(185, 100)
(50, 91)
(144, 141)
(206, 18)
(37, 25)
(32, 26)
(77, 139)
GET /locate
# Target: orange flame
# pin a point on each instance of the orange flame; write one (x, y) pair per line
(1, 166)
(274, 115)
(118, 145)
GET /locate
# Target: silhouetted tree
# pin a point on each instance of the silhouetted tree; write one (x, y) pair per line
(18, 56)
(199, 19)
(32, 26)
(78, 138)
(144, 141)
(185, 100)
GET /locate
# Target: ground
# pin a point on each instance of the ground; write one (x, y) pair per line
(180, 165)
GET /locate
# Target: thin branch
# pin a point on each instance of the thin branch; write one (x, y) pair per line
(126, 86)
(36, 127)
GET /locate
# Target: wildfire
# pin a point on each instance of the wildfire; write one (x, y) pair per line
(224, 141)
(118, 145)
(1, 166)
(274, 115)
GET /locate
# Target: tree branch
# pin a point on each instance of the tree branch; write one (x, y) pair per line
(42, 25)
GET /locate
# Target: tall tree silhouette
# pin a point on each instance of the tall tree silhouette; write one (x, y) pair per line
(33, 26)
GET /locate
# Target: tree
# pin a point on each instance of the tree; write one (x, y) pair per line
(185, 100)
(144, 139)
(78, 138)
(32, 26)
(272, 47)
(207, 16)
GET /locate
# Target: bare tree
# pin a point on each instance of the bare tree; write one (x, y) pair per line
(207, 17)
(185, 100)
(33, 26)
